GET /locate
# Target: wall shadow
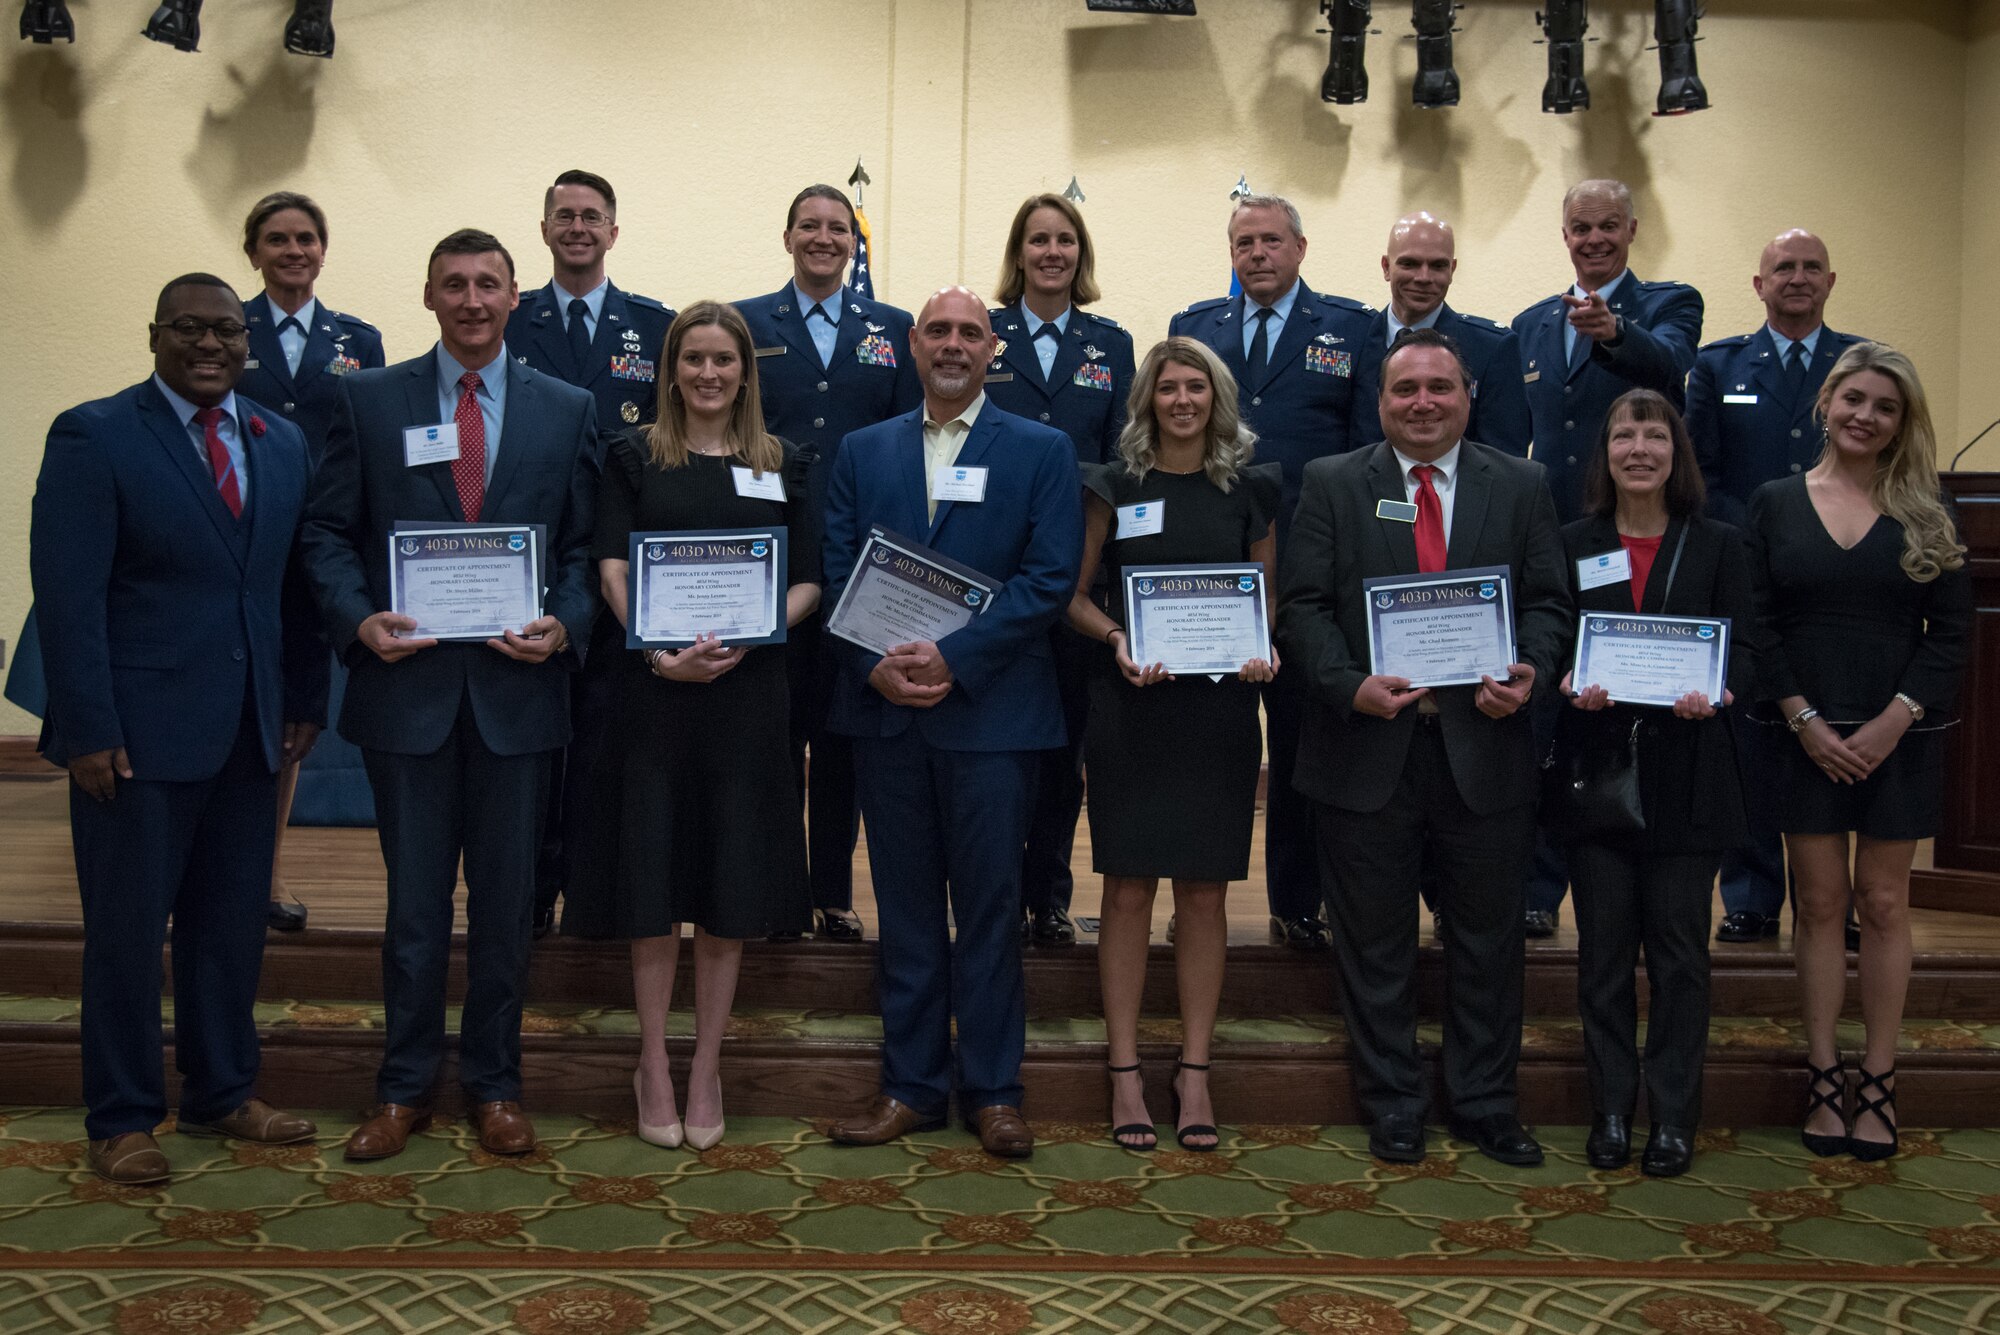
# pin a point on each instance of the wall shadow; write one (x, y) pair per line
(263, 137)
(1141, 78)
(44, 98)
(1314, 143)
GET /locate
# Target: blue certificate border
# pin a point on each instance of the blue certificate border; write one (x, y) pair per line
(886, 540)
(1253, 570)
(1502, 576)
(639, 557)
(1588, 632)
(537, 544)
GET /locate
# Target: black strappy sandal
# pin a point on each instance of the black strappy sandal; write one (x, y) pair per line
(1827, 1090)
(1883, 1109)
(1181, 1133)
(1118, 1133)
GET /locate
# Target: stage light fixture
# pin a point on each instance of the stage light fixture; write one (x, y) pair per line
(42, 21)
(1564, 23)
(1141, 6)
(1346, 81)
(177, 23)
(310, 31)
(1436, 83)
(1681, 91)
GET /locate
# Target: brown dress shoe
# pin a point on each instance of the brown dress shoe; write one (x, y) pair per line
(1003, 1132)
(388, 1128)
(130, 1160)
(885, 1120)
(503, 1128)
(255, 1121)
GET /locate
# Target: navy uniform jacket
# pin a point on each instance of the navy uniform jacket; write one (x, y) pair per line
(1306, 404)
(159, 610)
(1088, 385)
(1747, 430)
(1492, 355)
(624, 367)
(1662, 330)
(336, 345)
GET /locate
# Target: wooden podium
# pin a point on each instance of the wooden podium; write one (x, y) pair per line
(1965, 873)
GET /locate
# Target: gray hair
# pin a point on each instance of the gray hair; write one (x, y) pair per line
(1279, 202)
(1600, 188)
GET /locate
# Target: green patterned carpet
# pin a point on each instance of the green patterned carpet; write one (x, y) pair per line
(1287, 1229)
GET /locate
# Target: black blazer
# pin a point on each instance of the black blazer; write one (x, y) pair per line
(1501, 516)
(1689, 783)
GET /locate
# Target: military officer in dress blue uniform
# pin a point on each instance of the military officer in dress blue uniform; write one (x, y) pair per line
(582, 329)
(829, 362)
(1294, 353)
(299, 349)
(1072, 369)
(1581, 349)
(1750, 414)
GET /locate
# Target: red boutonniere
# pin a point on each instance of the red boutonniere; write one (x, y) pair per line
(256, 425)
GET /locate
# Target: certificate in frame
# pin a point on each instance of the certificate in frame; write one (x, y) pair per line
(1651, 660)
(1449, 628)
(466, 581)
(726, 582)
(1197, 618)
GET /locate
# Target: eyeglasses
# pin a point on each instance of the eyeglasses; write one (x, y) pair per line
(589, 218)
(189, 330)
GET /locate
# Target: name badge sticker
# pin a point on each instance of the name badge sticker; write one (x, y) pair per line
(959, 484)
(1403, 512)
(430, 444)
(1740, 398)
(1142, 520)
(1604, 568)
(770, 487)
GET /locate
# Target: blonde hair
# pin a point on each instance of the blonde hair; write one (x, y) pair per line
(1230, 444)
(1906, 484)
(1013, 281)
(666, 439)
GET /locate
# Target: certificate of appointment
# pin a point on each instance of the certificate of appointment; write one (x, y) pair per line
(1651, 660)
(1197, 618)
(465, 581)
(902, 591)
(729, 583)
(1445, 629)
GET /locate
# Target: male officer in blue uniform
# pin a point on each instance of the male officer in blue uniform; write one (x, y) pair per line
(1293, 352)
(1611, 332)
(1750, 412)
(829, 361)
(582, 329)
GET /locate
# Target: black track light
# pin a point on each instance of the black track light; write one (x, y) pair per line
(1346, 81)
(310, 32)
(42, 21)
(1436, 83)
(1141, 6)
(1563, 24)
(1681, 91)
(176, 23)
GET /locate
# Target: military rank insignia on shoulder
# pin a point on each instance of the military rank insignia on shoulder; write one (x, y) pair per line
(1104, 320)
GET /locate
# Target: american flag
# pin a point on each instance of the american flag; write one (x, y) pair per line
(861, 278)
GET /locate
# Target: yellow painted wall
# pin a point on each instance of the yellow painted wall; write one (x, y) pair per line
(1871, 121)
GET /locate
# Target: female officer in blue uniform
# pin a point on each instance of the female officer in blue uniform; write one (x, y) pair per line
(1071, 369)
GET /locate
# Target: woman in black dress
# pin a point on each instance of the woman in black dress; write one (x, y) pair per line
(1653, 887)
(697, 817)
(1862, 587)
(1172, 762)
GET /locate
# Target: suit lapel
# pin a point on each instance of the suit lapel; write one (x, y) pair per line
(910, 473)
(1069, 355)
(791, 326)
(1301, 327)
(1472, 488)
(1654, 601)
(1558, 342)
(422, 396)
(516, 433)
(320, 348)
(1020, 354)
(852, 328)
(1385, 483)
(546, 328)
(1229, 344)
(264, 344)
(178, 441)
(971, 452)
(1767, 375)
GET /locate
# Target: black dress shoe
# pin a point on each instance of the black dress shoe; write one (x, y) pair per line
(786, 936)
(1747, 925)
(1539, 924)
(286, 917)
(1610, 1143)
(545, 920)
(1302, 933)
(1500, 1137)
(1397, 1138)
(1052, 927)
(838, 925)
(1669, 1152)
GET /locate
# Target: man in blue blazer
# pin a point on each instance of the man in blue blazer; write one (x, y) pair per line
(946, 735)
(829, 362)
(458, 738)
(1750, 413)
(1294, 353)
(184, 666)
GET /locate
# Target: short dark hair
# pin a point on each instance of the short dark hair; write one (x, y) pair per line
(1427, 338)
(833, 193)
(1685, 492)
(277, 202)
(584, 178)
(189, 280)
(470, 241)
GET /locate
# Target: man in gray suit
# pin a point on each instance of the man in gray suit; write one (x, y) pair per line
(1398, 774)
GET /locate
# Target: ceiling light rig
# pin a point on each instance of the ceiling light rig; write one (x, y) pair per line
(176, 23)
(1564, 23)
(42, 21)
(1681, 90)
(1346, 80)
(1178, 7)
(1436, 84)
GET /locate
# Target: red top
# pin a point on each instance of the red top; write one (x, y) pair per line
(1643, 552)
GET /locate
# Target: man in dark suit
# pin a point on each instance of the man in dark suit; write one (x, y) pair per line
(1400, 774)
(946, 734)
(458, 738)
(829, 362)
(184, 666)
(1293, 352)
(1750, 414)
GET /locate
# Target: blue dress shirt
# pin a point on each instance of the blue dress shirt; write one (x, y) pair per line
(1811, 342)
(593, 300)
(1569, 330)
(492, 397)
(1045, 348)
(824, 333)
(1281, 311)
(293, 341)
(228, 428)
(1395, 327)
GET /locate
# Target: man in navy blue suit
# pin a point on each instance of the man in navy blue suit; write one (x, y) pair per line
(184, 666)
(458, 738)
(829, 361)
(1294, 353)
(946, 734)
(1750, 412)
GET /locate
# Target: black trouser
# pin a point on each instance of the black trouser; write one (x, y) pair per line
(833, 814)
(1625, 901)
(1046, 882)
(1372, 861)
(1291, 871)
(593, 710)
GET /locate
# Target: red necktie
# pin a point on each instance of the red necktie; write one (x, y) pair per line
(1430, 522)
(468, 470)
(218, 459)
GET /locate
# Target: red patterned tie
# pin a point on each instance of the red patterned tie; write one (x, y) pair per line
(1430, 522)
(469, 469)
(218, 459)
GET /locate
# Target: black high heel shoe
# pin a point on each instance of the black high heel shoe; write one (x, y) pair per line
(1832, 1096)
(1132, 1129)
(1883, 1109)
(1182, 1133)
